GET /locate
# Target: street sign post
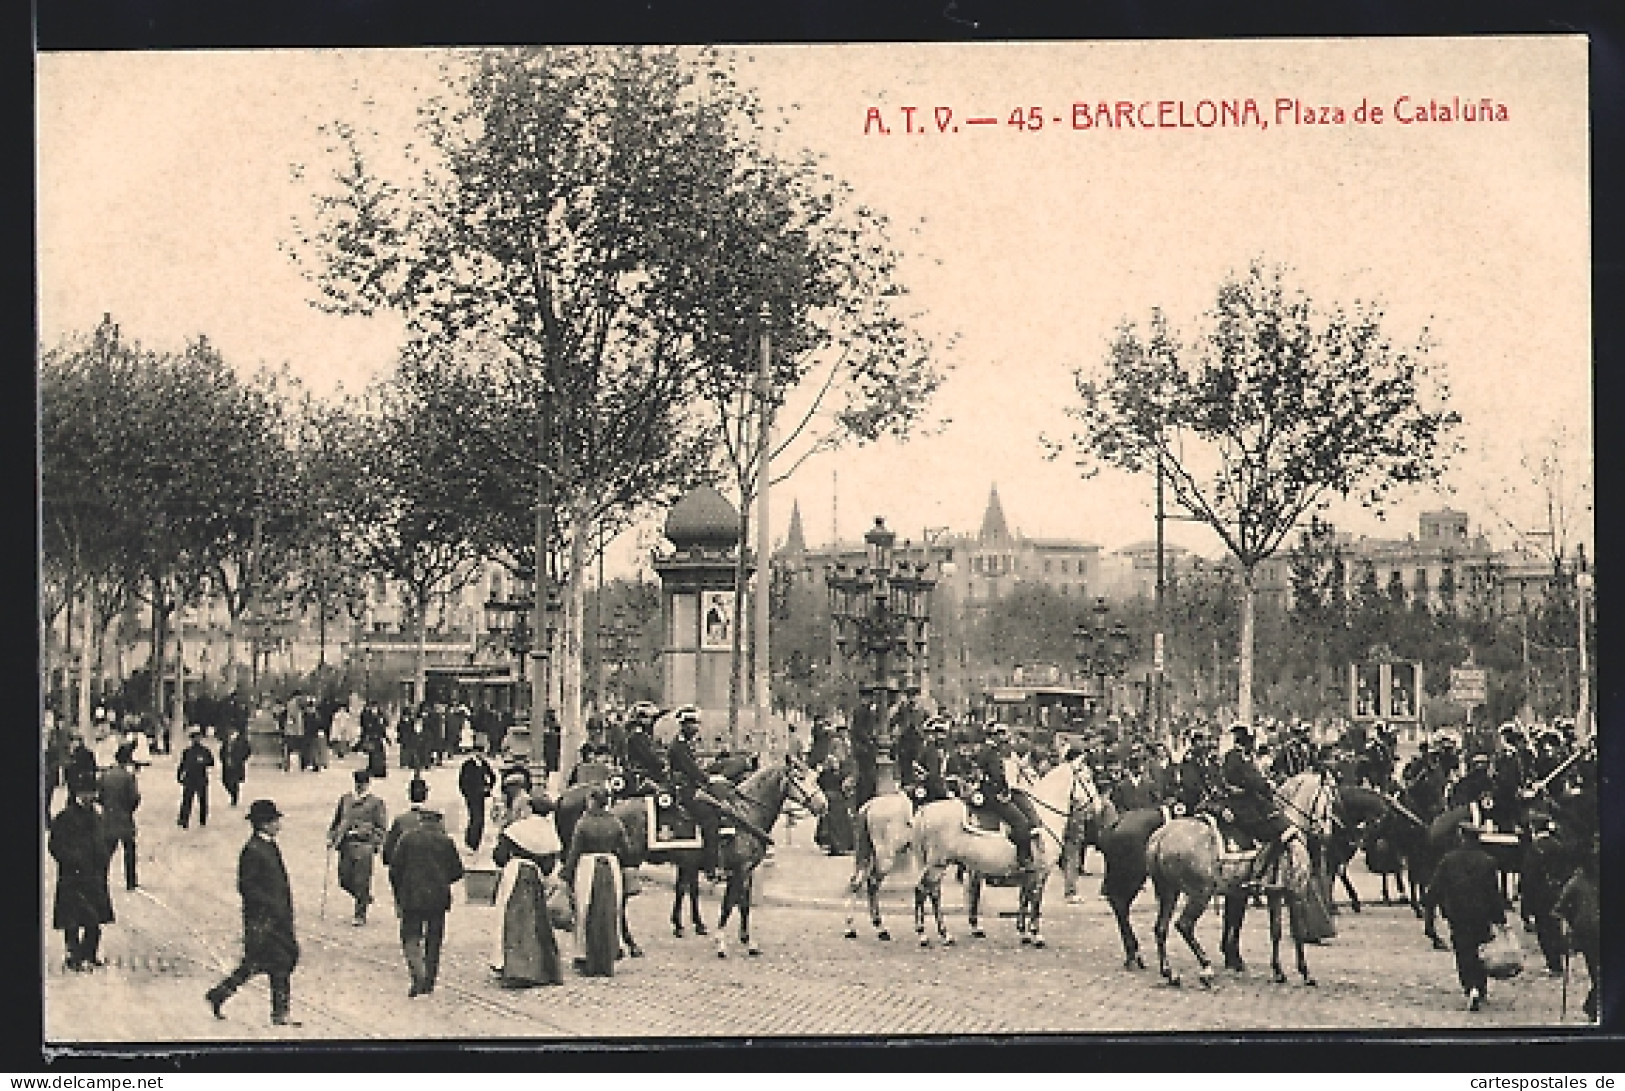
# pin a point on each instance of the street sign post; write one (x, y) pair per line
(1469, 685)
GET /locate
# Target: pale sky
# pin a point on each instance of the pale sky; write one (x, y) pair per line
(166, 188)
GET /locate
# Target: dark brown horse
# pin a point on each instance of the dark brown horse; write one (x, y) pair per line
(759, 800)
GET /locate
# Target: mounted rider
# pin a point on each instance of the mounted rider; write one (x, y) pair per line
(691, 786)
(643, 759)
(924, 774)
(1294, 757)
(1198, 777)
(1001, 773)
(1250, 800)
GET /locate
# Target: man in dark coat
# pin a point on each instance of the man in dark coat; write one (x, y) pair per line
(1545, 867)
(81, 849)
(1016, 809)
(1578, 905)
(269, 946)
(192, 774)
(1197, 775)
(234, 755)
(1133, 790)
(417, 796)
(476, 780)
(1250, 799)
(423, 864)
(1475, 785)
(689, 780)
(120, 797)
(642, 752)
(924, 777)
(1465, 888)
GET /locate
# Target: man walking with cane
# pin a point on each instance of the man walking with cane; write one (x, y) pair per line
(356, 834)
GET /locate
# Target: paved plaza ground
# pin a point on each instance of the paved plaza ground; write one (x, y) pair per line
(182, 930)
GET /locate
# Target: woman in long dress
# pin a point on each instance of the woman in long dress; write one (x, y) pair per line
(593, 870)
(526, 951)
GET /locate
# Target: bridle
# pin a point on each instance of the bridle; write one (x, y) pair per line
(793, 789)
(1078, 781)
(1311, 817)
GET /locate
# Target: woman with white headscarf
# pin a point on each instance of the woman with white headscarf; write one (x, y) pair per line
(526, 952)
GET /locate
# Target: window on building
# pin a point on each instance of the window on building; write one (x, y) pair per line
(1048, 566)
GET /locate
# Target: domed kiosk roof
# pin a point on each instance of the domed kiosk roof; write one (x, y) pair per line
(704, 518)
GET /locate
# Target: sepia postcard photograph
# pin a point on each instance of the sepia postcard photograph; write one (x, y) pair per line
(904, 541)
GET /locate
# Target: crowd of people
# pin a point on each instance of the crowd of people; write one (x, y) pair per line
(545, 884)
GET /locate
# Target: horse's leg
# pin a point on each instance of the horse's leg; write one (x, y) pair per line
(973, 903)
(728, 896)
(1131, 943)
(1354, 895)
(1430, 927)
(1195, 905)
(872, 887)
(1299, 928)
(1235, 912)
(677, 903)
(920, 896)
(936, 909)
(1034, 895)
(852, 894)
(694, 900)
(1167, 897)
(1277, 975)
(746, 882)
(632, 947)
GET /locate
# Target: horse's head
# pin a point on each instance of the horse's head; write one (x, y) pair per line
(801, 785)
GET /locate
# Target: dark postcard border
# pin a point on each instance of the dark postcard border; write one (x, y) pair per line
(165, 24)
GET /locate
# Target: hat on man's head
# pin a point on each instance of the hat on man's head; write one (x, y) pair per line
(362, 776)
(82, 780)
(125, 755)
(418, 790)
(1241, 733)
(262, 811)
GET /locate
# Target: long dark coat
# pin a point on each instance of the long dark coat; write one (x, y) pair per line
(1468, 893)
(262, 880)
(423, 865)
(80, 847)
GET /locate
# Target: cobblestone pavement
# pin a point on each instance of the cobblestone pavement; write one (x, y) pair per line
(182, 930)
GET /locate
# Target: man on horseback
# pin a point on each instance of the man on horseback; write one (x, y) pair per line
(995, 765)
(923, 775)
(643, 758)
(1197, 778)
(1251, 803)
(690, 784)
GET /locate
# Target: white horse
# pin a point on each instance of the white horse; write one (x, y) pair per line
(884, 828)
(941, 838)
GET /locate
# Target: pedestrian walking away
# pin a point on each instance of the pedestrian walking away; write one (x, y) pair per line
(192, 774)
(269, 944)
(120, 797)
(593, 870)
(1469, 896)
(476, 780)
(356, 833)
(423, 865)
(234, 755)
(80, 847)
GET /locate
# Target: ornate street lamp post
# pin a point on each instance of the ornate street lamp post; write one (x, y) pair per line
(1102, 650)
(508, 622)
(881, 612)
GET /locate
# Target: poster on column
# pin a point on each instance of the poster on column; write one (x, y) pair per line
(717, 620)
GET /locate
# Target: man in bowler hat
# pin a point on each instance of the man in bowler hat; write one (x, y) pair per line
(269, 946)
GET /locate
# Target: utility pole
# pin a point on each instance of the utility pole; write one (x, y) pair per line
(1582, 589)
(1157, 647)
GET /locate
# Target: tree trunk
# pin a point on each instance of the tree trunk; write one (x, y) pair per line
(321, 632)
(85, 657)
(420, 669)
(573, 730)
(1244, 712)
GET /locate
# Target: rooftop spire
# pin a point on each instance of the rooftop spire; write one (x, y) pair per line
(994, 528)
(795, 541)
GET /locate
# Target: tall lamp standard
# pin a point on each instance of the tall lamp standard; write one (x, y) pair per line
(508, 622)
(1102, 650)
(881, 612)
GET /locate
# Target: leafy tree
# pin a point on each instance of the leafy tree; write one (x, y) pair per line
(1274, 409)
